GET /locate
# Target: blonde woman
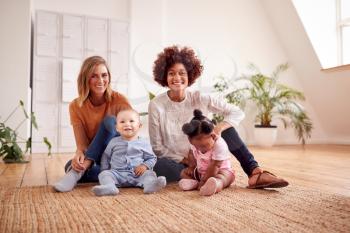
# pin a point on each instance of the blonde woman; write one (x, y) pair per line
(92, 116)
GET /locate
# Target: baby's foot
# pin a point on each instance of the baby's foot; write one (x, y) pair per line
(105, 190)
(155, 185)
(68, 181)
(188, 184)
(209, 188)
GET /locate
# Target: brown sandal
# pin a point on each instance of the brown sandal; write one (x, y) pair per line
(277, 183)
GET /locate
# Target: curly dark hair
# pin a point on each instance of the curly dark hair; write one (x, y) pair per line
(199, 124)
(172, 55)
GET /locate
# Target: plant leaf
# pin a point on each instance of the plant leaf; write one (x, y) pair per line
(28, 144)
(48, 144)
(24, 110)
(151, 95)
(33, 121)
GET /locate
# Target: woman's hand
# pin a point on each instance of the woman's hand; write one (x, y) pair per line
(200, 184)
(189, 171)
(139, 170)
(78, 162)
(185, 161)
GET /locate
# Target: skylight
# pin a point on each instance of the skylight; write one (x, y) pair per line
(327, 24)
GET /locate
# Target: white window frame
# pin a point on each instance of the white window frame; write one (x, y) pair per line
(341, 23)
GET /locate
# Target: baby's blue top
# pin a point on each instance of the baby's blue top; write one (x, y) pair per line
(122, 155)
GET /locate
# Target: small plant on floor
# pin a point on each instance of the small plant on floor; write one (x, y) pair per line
(271, 98)
(10, 151)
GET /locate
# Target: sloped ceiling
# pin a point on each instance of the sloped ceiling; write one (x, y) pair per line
(328, 92)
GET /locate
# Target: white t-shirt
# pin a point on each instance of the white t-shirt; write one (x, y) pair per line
(166, 118)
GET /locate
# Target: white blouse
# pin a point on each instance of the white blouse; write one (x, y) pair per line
(166, 118)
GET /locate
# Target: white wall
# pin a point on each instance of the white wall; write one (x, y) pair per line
(117, 9)
(327, 92)
(14, 59)
(226, 34)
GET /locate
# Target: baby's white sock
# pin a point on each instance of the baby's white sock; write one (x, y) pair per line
(106, 187)
(154, 185)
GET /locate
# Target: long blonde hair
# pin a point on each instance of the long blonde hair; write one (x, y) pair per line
(86, 71)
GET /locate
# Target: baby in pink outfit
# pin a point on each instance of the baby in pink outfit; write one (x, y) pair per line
(209, 167)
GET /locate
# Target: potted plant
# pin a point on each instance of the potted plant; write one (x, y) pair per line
(272, 99)
(10, 151)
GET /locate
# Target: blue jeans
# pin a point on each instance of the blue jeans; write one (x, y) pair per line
(171, 169)
(94, 152)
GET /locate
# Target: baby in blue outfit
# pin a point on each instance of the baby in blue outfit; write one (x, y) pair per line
(128, 160)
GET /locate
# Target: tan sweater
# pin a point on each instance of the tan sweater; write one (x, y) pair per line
(86, 119)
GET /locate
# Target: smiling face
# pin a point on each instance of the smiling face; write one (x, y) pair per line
(177, 77)
(128, 124)
(99, 80)
(203, 142)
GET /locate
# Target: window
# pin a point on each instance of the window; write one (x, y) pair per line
(327, 24)
(343, 31)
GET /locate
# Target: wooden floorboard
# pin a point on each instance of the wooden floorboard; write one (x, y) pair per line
(13, 175)
(322, 167)
(55, 167)
(35, 173)
(2, 168)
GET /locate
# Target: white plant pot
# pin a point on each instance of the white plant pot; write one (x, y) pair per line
(265, 137)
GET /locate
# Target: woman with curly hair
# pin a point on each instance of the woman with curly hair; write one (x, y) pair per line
(178, 68)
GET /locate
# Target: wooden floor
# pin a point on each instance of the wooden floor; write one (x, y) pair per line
(323, 167)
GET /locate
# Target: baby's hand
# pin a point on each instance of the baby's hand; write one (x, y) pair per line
(139, 170)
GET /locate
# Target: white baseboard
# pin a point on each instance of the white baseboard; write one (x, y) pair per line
(336, 141)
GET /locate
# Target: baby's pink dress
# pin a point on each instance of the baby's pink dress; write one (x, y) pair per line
(219, 152)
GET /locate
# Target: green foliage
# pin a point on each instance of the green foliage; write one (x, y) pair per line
(9, 148)
(150, 97)
(271, 98)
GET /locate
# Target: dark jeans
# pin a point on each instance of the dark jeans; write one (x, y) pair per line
(104, 134)
(237, 147)
(168, 168)
(171, 169)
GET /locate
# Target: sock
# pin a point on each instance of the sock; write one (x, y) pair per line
(188, 184)
(105, 189)
(107, 185)
(68, 181)
(209, 188)
(154, 185)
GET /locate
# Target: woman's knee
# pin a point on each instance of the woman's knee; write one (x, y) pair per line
(232, 139)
